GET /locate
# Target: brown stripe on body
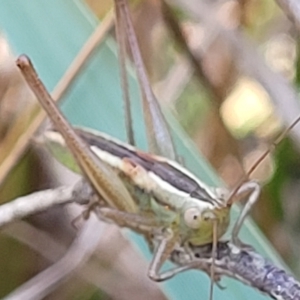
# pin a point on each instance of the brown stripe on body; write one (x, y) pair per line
(164, 170)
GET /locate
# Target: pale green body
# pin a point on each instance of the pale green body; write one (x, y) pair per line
(154, 197)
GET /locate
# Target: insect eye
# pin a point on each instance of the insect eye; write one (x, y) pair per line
(192, 218)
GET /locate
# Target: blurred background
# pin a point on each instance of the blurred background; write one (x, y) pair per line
(208, 76)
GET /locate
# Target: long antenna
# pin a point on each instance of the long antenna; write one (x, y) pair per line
(260, 160)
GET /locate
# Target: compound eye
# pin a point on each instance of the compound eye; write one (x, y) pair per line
(192, 218)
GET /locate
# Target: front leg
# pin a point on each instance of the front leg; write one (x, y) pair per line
(151, 229)
(163, 251)
(254, 189)
(186, 259)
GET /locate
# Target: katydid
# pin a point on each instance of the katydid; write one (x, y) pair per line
(162, 187)
(166, 196)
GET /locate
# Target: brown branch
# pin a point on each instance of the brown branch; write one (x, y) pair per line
(40, 201)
